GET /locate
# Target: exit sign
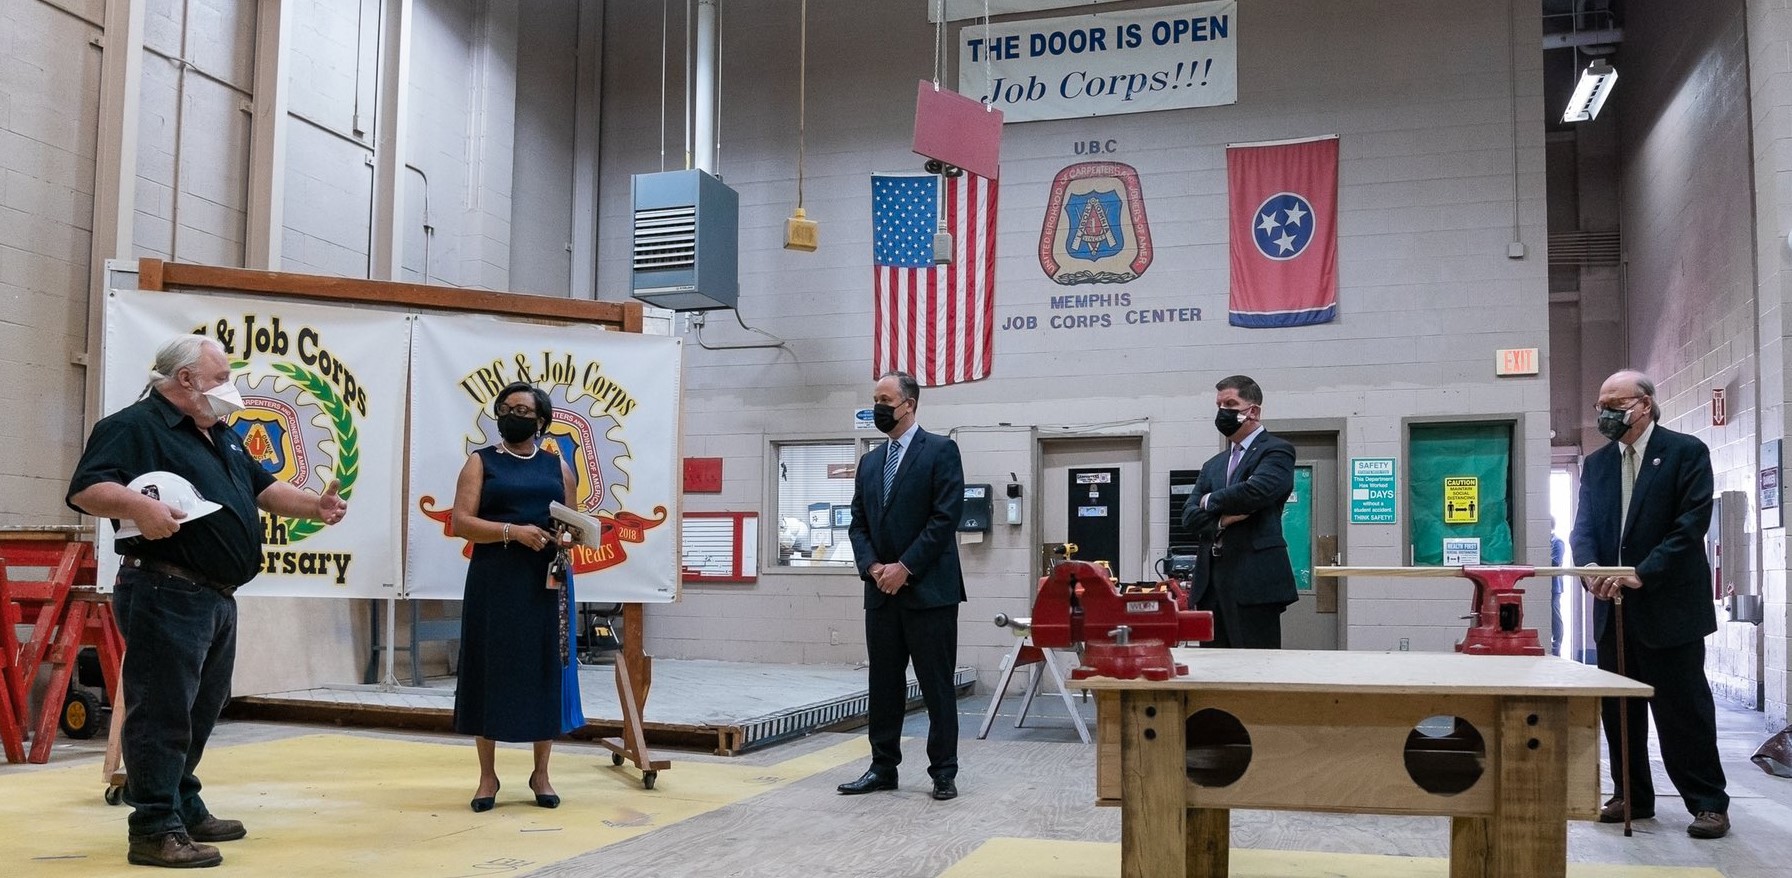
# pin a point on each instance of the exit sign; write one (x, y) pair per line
(1515, 361)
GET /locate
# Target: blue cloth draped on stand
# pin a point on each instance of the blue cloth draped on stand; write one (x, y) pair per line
(572, 713)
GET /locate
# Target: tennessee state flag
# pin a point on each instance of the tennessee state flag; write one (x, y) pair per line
(1283, 226)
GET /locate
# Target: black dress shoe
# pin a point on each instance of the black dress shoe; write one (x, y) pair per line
(870, 782)
(945, 789)
(543, 800)
(483, 804)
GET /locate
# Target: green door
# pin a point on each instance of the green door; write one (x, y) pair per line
(1297, 526)
(1459, 487)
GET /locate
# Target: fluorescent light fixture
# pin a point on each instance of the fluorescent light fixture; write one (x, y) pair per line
(1590, 93)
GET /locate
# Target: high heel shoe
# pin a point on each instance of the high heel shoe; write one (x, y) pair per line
(482, 804)
(543, 800)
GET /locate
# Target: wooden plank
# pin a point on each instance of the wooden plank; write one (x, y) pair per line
(1356, 673)
(156, 275)
(1528, 836)
(1586, 752)
(1468, 846)
(1457, 572)
(1153, 818)
(1107, 748)
(1341, 754)
(1209, 843)
(150, 275)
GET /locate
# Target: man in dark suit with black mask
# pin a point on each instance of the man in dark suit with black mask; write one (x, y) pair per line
(1645, 502)
(1242, 574)
(906, 505)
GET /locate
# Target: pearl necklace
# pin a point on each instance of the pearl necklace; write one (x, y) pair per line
(533, 450)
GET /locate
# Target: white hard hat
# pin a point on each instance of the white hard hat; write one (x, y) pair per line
(173, 490)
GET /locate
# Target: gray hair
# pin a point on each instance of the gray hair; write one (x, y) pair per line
(180, 352)
(1646, 387)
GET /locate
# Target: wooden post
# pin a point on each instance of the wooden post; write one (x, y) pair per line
(1153, 814)
(1529, 831)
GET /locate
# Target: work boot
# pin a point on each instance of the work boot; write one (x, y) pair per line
(215, 829)
(173, 850)
(1613, 812)
(1709, 824)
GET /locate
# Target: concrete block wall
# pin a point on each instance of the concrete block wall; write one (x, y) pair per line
(331, 87)
(1688, 241)
(193, 131)
(49, 119)
(1770, 109)
(1428, 293)
(541, 167)
(196, 98)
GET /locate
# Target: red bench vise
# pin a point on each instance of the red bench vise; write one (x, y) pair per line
(1498, 614)
(1124, 636)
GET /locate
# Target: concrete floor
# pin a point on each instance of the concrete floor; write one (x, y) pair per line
(1037, 782)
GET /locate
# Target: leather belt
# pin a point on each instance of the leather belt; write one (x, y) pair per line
(178, 572)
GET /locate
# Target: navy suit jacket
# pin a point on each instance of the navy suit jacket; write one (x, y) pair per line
(1663, 538)
(918, 526)
(1253, 565)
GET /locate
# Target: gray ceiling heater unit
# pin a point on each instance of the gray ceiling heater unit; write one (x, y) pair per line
(687, 241)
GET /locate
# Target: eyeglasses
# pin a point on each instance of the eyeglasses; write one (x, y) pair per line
(521, 410)
(1617, 404)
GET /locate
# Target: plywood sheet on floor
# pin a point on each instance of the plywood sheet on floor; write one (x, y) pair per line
(685, 691)
(338, 804)
(1006, 857)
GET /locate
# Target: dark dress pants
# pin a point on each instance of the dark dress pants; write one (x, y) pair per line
(1685, 723)
(1250, 626)
(893, 636)
(180, 649)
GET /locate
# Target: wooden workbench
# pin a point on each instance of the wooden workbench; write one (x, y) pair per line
(1338, 731)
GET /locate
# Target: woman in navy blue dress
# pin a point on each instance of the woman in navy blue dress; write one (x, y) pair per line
(512, 679)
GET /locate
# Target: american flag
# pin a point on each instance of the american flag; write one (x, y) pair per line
(934, 322)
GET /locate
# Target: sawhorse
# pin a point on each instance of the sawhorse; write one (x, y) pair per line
(69, 614)
(1025, 653)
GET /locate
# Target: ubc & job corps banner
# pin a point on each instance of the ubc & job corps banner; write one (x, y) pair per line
(616, 398)
(1283, 229)
(324, 389)
(1104, 63)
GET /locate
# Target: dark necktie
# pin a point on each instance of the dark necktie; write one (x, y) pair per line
(892, 458)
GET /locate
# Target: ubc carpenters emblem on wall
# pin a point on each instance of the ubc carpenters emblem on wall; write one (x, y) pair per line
(1095, 229)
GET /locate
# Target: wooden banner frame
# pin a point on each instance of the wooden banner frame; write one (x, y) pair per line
(634, 670)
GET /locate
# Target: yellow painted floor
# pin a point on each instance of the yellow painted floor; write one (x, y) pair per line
(341, 805)
(333, 804)
(1035, 858)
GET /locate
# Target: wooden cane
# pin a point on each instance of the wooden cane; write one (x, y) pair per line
(1623, 713)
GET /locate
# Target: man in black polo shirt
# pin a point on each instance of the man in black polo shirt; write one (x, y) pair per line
(173, 599)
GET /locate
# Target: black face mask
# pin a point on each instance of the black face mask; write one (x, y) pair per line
(1227, 421)
(883, 417)
(1611, 423)
(517, 428)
